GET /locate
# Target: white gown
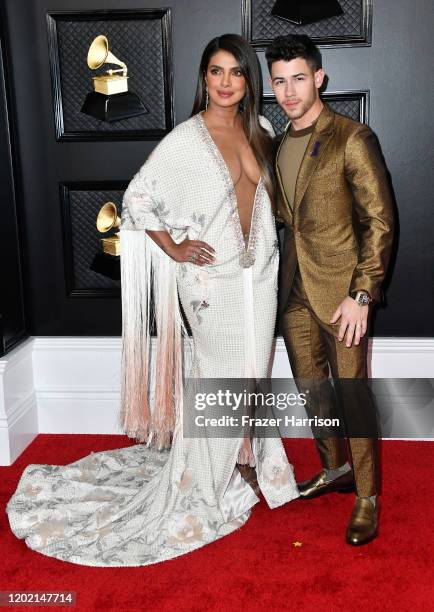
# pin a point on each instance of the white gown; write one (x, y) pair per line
(137, 505)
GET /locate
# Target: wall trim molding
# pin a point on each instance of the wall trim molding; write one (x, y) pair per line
(53, 343)
(403, 345)
(114, 342)
(15, 357)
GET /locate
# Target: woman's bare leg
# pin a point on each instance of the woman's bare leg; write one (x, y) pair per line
(246, 456)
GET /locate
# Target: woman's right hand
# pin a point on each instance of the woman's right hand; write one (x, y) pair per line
(192, 251)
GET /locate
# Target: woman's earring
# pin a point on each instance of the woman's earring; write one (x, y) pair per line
(206, 99)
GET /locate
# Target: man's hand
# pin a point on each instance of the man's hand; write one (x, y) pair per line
(193, 251)
(354, 320)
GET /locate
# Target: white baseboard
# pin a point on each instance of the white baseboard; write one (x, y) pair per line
(388, 358)
(77, 383)
(72, 384)
(18, 405)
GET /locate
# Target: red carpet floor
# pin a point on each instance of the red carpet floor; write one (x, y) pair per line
(257, 567)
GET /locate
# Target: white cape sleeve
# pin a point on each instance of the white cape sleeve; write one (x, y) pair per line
(150, 405)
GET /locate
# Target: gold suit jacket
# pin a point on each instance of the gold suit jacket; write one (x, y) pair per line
(340, 228)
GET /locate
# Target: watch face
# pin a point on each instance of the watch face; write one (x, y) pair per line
(363, 299)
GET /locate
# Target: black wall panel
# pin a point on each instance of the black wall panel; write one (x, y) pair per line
(395, 70)
(12, 315)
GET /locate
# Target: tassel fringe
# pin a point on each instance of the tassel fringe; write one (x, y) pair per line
(144, 264)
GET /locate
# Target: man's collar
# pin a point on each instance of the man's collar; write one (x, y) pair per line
(324, 122)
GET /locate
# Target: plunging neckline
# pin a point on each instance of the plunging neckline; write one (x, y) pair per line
(247, 250)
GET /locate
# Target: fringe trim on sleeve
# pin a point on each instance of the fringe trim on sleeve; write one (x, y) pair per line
(144, 264)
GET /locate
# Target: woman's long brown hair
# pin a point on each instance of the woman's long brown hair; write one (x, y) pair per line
(258, 138)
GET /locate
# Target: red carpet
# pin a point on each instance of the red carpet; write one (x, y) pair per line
(257, 566)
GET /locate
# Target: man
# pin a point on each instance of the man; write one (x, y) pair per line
(337, 209)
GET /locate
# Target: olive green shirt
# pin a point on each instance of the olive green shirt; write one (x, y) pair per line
(290, 157)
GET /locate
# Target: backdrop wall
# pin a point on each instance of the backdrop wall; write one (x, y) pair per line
(395, 70)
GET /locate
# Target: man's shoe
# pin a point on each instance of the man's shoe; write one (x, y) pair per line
(362, 527)
(318, 485)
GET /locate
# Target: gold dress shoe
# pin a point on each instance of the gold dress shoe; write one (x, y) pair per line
(318, 485)
(362, 527)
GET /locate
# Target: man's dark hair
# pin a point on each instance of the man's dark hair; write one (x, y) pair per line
(290, 47)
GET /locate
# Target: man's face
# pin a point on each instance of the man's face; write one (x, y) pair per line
(296, 86)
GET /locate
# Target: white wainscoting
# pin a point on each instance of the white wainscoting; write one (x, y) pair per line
(18, 403)
(72, 384)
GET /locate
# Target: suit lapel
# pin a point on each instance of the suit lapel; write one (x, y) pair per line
(315, 148)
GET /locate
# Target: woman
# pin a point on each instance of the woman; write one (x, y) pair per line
(196, 221)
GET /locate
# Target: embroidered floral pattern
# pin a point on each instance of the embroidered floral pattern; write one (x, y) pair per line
(197, 306)
(276, 470)
(141, 207)
(31, 491)
(185, 528)
(50, 529)
(186, 480)
(199, 219)
(202, 278)
(159, 208)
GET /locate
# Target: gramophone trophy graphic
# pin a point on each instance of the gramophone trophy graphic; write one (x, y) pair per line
(107, 261)
(107, 220)
(110, 100)
(303, 12)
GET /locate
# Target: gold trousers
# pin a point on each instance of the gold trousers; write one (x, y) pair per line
(314, 350)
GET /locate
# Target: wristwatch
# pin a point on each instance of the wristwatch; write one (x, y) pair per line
(362, 297)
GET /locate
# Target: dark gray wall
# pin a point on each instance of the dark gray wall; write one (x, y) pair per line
(12, 319)
(395, 69)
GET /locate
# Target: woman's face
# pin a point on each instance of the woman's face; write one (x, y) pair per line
(226, 84)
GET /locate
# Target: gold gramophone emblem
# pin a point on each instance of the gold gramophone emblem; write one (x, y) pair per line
(110, 82)
(111, 100)
(108, 219)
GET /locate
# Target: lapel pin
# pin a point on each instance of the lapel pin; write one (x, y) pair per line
(315, 148)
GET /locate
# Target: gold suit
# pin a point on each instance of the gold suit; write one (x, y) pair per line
(337, 239)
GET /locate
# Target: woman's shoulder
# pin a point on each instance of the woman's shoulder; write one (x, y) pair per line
(183, 130)
(181, 134)
(266, 124)
(178, 140)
